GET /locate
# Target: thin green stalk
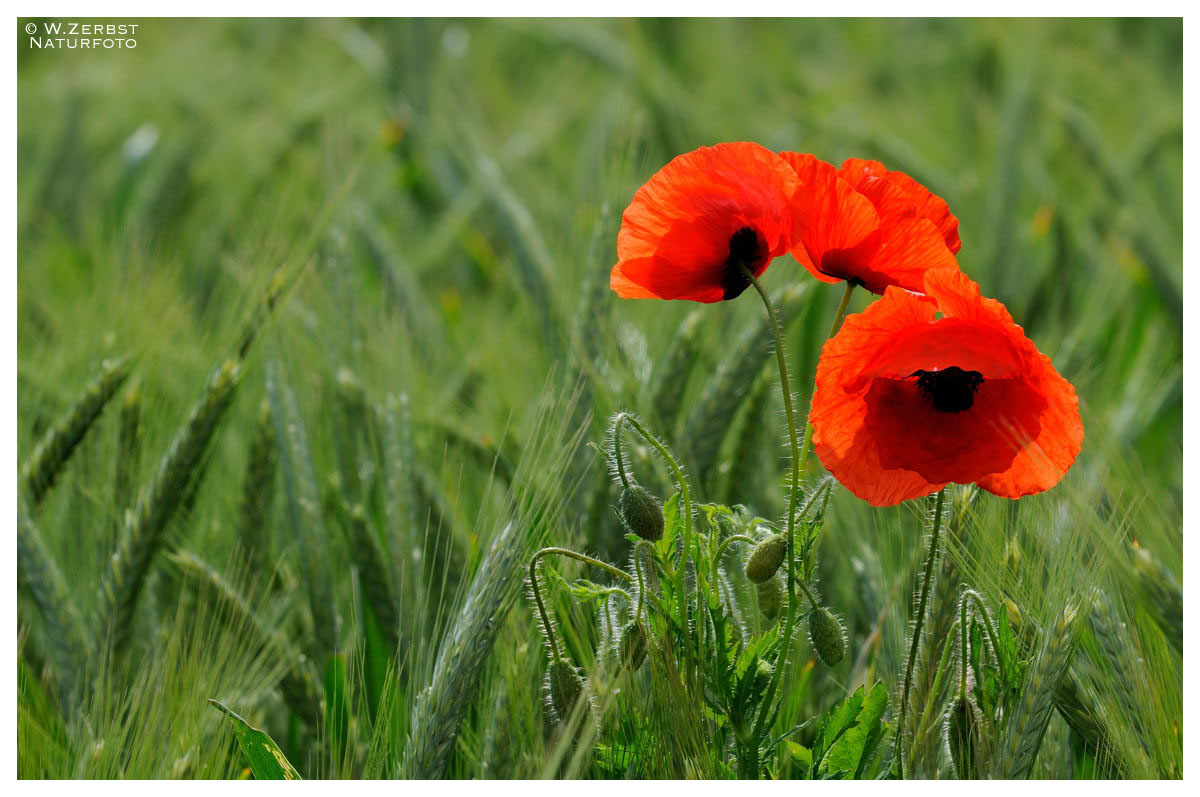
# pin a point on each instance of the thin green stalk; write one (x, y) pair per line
(537, 597)
(993, 636)
(916, 639)
(725, 544)
(637, 566)
(962, 649)
(808, 593)
(620, 460)
(616, 571)
(650, 553)
(785, 386)
(685, 495)
(537, 593)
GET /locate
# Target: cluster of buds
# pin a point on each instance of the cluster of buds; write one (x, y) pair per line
(763, 564)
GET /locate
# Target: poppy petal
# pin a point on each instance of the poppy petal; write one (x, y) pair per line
(952, 446)
(921, 202)
(893, 417)
(840, 438)
(836, 228)
(677, 234)
(1044, 461)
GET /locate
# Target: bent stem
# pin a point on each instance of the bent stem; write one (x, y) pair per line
(809, 595)
(989, 629)
(541, 607)
(537, 591)
(922, 602)
(725, 544)
(617, 456)
(685, 496)
(789, 622)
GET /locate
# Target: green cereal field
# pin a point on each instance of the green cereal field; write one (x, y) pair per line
(342, 452)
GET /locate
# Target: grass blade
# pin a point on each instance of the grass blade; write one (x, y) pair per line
(266, 760)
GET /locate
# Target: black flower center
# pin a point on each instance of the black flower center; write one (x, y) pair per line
(950, 389)
(744, 250)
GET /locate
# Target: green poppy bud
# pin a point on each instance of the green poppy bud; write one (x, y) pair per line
(766, 558)
(963, 727)
(633, 646)
(828, 638)
(641, 512)
(770, 598)
(565, 687)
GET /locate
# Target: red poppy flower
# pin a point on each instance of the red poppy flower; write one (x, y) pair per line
(692, 226)
(869, 226)
(920, 391)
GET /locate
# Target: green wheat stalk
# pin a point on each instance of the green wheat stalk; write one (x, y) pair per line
(258, 489)
(1087, 723)
(129, 449)
(372, 569)
(64, 629)
(51, 454)
(297, 686)
(300, 486)
(143, 529)
(1026, 726)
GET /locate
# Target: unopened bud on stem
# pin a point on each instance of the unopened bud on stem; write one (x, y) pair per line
(641, 512)
(766, 558)
(828, 638)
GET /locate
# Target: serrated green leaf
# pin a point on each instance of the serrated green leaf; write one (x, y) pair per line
(266, 760)
(858, 741)
(839, 718)
(801, 757)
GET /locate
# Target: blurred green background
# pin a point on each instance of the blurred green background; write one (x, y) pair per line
(158, 185)
(455, 189)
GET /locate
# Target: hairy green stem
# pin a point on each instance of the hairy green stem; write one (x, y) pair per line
(725, 544)
(617, 456)
(785, 385)
(989, 629)
(685, 496)
(962, 648)
(808, 593)
(922, 602)
(537, 592)
(537, 597)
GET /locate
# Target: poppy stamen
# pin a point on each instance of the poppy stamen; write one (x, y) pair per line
(950, 389)
(743, 251)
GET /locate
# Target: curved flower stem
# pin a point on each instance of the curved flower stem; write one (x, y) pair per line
(641, 599)
(537, 597)
(617, 456)
(838, 317)
(725, 543)
(922, 602)
(808, 593)
(605, 566)
(993, 636)
(785, 386)
(686, 498)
